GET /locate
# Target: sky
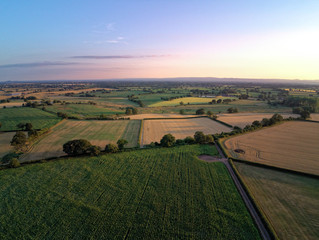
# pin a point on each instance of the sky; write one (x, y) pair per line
(106, 39)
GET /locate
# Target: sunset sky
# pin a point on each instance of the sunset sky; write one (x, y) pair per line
(81, 39)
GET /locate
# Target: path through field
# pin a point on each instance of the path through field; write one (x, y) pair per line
(252, 210)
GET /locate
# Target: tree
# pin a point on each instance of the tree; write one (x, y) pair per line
(76, 147)
(256, 123)
(128, 111)
(189, 140)
(28, 126)
(121, 142)
(14, 163)
(111, 148)
(209, 113)
(21, 125)
(134, 111)
(94, 150)
(199, 137)
(209, 139)
(168, 140)
(200, 111)
(265, 122)
(305, 114)
(19, 140)
(219, 100)
(182, 111)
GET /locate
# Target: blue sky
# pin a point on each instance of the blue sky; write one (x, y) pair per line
(48, 40)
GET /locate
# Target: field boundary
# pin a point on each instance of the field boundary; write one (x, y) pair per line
(260, 212)
(221, 122)
(175, 118)
(286, 170)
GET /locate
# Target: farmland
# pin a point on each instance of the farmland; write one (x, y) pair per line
(83, 110)
(186, 100)
(243, 119)
(154, 115)
(150, 194)
(154, 130)
(10, 117)
(5, 139)
(288, 200)
(291, 145)
(98, 133)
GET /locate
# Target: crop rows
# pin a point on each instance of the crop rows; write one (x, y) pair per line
(151, 194)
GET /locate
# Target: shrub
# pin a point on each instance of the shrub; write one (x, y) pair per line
(94, 150)
(121, 143)
(199, 137)
(111, 148)
(168, 140)
(189, 140)
(14, 163)
(200, 111)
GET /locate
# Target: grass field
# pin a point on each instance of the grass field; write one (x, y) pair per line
(154, 130)
(5, 139)
(145, 194)
(242, 119)
(154, 115)
(10, 117)
(186, 100)
(98, 133)
(83, 110)
(289, 201)
(291, 145)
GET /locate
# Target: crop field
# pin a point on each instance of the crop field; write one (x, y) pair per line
(186, 100)
(83, 110)
(291, 145)
(97, 133)
(243, 119)
(154, 115)
(315, 116)
(154, 130)
(288, 200)
(145, 194)
(10, 117)
(5, 139)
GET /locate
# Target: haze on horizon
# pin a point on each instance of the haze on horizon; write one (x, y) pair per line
(61, 40)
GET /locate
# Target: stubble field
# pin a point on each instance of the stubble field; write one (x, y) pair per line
(5, 139)
(97, 133)
(291, 145)
(154, 130)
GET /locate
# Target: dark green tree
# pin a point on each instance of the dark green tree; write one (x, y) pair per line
(200, 111)
(121, 142)
(168, 140)
(76, 147)
(28, 126)
(94, 150)
(19, 140)
(111, 148)
(189, 140)
(199, 137)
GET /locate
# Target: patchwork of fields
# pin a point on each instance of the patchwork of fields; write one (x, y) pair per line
(154, 130)
(289, 201)
(243, 119)
(154, 115)
(147, 194)
(10, 117)
(291, 145)
(98, 133)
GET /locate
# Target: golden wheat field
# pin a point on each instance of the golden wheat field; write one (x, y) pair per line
(97, 133)
(155, 115)
(154, 130)
(291, 145)
(243, 119)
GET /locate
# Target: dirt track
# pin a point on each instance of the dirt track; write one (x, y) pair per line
(252, 210)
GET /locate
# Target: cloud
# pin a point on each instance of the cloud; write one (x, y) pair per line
(37, 64)
(119, 56)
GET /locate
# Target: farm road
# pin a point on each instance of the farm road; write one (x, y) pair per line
(253, 212)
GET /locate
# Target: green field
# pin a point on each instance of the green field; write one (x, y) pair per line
(83, 110)
(10, 117)
(145, 194)
(186, 100)
(97, 132)
(290, 201)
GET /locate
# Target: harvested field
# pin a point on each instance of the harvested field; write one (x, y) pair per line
(315, 116)
(291, 145)
(289, 201)
(154, 115)
(5, 139)
(97, 133)
(154, 130)
(243, 119)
